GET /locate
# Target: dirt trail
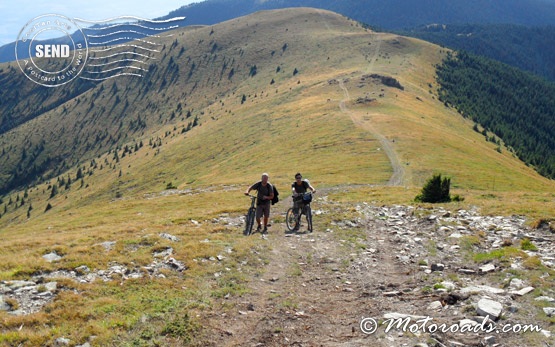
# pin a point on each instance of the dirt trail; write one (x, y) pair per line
(397, 178)
(314, 290)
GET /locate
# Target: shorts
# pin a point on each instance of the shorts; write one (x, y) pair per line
(263, 209)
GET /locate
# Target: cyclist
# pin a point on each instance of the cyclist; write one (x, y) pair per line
(263, 200)
(299, 187)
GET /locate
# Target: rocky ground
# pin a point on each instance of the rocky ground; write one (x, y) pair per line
(393, 262)
(363, 266)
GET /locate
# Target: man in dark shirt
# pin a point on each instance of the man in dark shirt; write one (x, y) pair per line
(263, 200)
(299, 187)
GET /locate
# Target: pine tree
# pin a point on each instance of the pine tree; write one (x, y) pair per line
(53, 192)
(435, 190)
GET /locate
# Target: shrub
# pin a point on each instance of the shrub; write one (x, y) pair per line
(436, 190)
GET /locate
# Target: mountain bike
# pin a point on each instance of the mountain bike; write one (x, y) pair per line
(251, 215)
(293, 220)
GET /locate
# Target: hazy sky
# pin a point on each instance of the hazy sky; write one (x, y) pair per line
(16, 13)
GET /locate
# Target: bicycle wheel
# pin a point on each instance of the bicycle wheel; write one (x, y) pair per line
(308, 212)
(290, 219)
(249, 221)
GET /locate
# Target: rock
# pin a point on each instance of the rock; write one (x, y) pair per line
(4, 305)
(487, 268)
(176, 265)
(108, 245)
(391, 294)
(545, 298)
(453, 298)
(481, 289)
(523, 291)
(169, 237)
(435, 306)
(549, 311)
(84, 269)
(546, 333)
(437, 267)
(51, 257)
(466, 322)
(487, 307)
(448, 285)
(516, 283)
(13, 285)
(51, 286)
(62, 341)
(86, 344)
(163, 253)
(489, 340)
(220, 257)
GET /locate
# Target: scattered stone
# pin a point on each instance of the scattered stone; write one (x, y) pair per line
(549, 311)
(176, 265)
(83, 269)
(487, 268)
(489, 340)
(163, 253)
(391, 294)
(86, 344)
(220, 257)
(523, 291)
(51, 286)
(481, 289)
(169, 237)
(545, 298)
(62, 341)
(435, 306)
(487, 307)
(546, 333)
(516, 283)
(467, 271)
(4, 305)
(466, 322)
(108, 245)
(437, 267)
(448, 285)
(51, 257)
(13, 285)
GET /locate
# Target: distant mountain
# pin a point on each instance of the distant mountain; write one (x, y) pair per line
(391, 14)
(530, 49)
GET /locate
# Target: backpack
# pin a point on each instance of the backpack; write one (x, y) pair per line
(275, 199)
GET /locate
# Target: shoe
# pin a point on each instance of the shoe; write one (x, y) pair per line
(310, 230)
(265, 231)
(258, 228)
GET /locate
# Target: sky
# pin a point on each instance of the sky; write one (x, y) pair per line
(16, 13)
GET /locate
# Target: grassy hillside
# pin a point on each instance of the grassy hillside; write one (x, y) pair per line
(285, 91)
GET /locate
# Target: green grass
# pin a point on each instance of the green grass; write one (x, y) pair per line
(503, 254)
